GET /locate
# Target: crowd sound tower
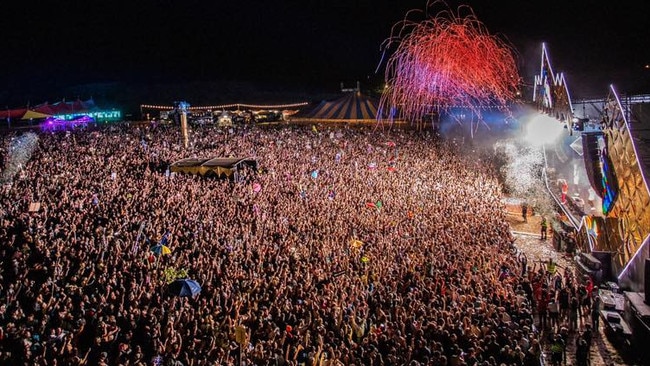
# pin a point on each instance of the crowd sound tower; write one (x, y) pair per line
(591, 156)
(182, 108)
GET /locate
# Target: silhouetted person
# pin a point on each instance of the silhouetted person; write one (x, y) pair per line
(582, 352)
(524, 211)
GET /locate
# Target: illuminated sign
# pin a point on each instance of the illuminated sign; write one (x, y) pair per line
(97, 116)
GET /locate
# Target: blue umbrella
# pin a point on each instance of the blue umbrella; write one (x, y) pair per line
(184, 287)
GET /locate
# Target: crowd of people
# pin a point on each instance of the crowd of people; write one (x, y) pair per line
(345, 247)
(567, 308)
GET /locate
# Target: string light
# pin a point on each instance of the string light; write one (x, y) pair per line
(227, 106)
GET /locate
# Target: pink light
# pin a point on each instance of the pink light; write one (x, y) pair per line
(645, 242)
(446, 61)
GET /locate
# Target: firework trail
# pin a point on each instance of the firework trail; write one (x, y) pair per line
(446, 61)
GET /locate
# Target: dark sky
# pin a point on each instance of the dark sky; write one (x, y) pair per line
(48, 46)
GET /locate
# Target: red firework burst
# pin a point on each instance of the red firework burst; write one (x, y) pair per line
(447, 61)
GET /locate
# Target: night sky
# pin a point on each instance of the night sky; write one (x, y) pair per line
(50, 46)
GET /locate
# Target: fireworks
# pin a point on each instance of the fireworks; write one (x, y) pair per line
(447, 61)
(522, 174)
(523, 171)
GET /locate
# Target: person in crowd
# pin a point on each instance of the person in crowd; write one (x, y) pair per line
(524, 211)
(313, 277)
(582, 352)
(558, 350)
(595, 311)
(543, 228)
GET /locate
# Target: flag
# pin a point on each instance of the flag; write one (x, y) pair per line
(379, 204)
(356, 243)
(371, 205)
(257, 187)
(160, 250)
(313, 128)
(314, 174)
(165, 238)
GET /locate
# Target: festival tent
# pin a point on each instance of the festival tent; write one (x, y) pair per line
(220, 167)
(88, 105)
(61, 107)
(351, 107)
(13, 113)
(77, 106)
(30, 114)
(44, 108)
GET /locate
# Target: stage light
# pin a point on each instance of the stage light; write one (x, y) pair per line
(579, 123)
(542, 130)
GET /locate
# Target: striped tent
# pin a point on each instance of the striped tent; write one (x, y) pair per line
(30, 114)
(352, 107)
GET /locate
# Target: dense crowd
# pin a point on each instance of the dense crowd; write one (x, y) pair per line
(345, 247)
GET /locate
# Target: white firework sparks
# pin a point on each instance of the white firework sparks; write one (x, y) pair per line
(20, 151)
(522, 173)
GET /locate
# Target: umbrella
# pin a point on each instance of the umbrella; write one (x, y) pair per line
(184, 287)
(159, 249)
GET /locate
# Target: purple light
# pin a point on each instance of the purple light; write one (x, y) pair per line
(83, 119)
(53, 123)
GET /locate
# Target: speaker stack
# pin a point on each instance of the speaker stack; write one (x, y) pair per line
(646, 281)
(591, 156)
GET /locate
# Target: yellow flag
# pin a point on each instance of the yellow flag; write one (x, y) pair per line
(356, 243)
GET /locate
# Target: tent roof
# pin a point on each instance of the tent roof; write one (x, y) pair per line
(71, 107)
(89, 104)
(211, 162)
(216, 166)
(13, 113)
(44, 108)
(351, 106)
(61, 107)
(29, 114)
